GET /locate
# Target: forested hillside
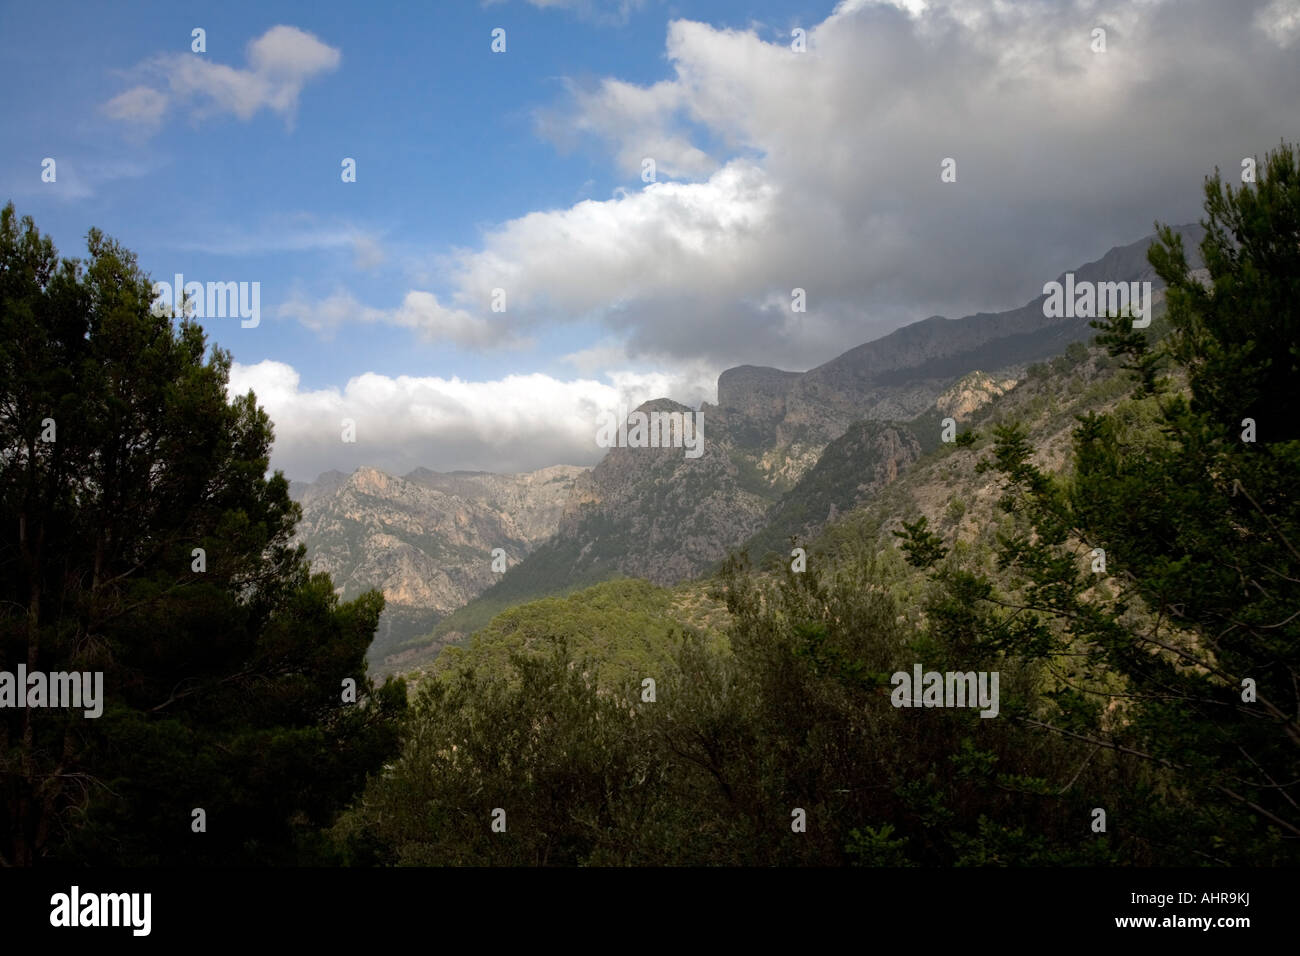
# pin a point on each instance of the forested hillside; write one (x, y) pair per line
(1115, 538)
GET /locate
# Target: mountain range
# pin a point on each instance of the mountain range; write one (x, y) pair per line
(784, 453)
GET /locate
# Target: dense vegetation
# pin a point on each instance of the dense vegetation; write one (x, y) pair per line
(1193, 640)
(547, 571)
(140, 538)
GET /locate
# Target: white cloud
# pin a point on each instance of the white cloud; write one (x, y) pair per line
(689, 382)
(328, 314)
(687, 251)
(140, 104)
(290, 55)
(635, 122)
(279, 64)
(1280, 20)
(593, 256)
(518, 423)
(821, 170)
(420, 311)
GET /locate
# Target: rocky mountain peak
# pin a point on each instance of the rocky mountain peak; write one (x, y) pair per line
(372, 481)
(755, 389)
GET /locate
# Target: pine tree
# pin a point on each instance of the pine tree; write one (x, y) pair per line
(1191, 637)
(141, 538)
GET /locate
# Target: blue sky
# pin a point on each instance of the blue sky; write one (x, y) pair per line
(522, 170)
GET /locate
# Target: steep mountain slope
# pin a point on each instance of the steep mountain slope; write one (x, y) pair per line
(856, 466)
(426, 539)
(853, 468)
(778, 422)
(959, 502)
(657, 514)
(648, 513)
(651, 513)
(941, 483)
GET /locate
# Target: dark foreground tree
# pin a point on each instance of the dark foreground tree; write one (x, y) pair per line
(1190, 637)
(141, 538)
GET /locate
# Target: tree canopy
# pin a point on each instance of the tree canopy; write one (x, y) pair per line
(141, 538)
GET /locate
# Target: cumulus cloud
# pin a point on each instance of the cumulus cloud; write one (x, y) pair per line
(635, 122)
(517, 423)
(279, 64)
(423, 312)
(821, 170)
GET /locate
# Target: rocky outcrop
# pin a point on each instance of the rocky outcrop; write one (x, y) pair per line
(426, 539)
(657, 514)
(971, 392)
(852, 469)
